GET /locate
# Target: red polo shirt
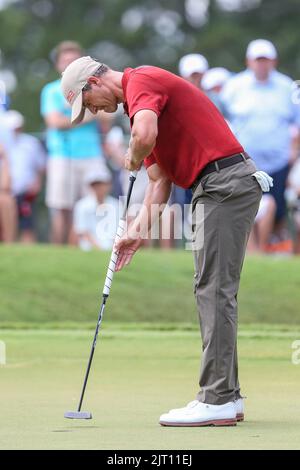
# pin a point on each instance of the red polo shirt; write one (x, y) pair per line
(191, 130)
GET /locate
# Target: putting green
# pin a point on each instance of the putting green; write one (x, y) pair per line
(137, 375)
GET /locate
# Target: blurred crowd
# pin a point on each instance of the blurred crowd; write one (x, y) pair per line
(77, 172)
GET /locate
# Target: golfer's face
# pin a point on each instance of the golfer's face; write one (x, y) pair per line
(100, 98)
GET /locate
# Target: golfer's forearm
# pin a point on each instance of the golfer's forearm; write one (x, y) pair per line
(156, 197)
(140, 147)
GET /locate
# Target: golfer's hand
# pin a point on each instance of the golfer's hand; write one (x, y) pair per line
(130, 164)
(126, 248)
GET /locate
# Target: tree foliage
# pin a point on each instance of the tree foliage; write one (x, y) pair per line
(132, 32)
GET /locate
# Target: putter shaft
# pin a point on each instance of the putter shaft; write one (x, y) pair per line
(106, 292)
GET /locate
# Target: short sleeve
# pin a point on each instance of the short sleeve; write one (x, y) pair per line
(51, 100)
(143, 92)
(150, 160)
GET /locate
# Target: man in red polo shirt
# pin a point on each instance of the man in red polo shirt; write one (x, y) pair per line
(182, 138)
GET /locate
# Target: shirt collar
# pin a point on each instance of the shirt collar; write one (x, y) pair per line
(125, 79)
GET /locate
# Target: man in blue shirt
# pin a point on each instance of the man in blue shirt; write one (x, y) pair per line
(260, 109)
(73, 151)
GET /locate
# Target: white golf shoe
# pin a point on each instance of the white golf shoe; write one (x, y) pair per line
(201, 414)
(239, 406)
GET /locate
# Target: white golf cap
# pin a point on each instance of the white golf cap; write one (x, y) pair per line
(216, 76)
(101, 175)
(74, 79)
(261, 48)
(13, 119)
(192, 63)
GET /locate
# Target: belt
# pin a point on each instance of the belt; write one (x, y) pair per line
(220, 164)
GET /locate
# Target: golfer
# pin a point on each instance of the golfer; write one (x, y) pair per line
(182, 138)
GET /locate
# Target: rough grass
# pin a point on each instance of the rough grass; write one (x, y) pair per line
(46, 286)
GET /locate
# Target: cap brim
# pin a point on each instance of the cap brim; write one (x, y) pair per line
(78, 110)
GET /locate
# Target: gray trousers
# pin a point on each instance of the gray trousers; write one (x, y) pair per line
(229, 200)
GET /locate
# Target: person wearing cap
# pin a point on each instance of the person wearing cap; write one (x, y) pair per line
(27, 160)
(73, 150)
(192, 67)
(96, 215)
(193, 147)
(260, 108)
(212, 84)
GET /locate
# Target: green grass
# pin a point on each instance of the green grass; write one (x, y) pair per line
(46, 286)
(137, 375)
(147, 358)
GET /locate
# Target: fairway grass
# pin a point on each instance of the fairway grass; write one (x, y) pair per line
(137, 375)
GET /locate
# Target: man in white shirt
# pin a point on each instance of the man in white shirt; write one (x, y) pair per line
(8, 210)
(27, 161)
(192, 67)
(261, 111)
(96, 216)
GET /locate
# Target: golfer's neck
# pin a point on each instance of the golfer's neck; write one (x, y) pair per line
(115, 79)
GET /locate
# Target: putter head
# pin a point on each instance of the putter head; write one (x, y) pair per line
(78, 415)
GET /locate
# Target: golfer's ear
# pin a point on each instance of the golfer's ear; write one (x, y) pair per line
(94, 81)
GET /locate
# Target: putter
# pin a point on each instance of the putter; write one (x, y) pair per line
(107, 286)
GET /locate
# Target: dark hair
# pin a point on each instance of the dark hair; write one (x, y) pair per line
(98, 73)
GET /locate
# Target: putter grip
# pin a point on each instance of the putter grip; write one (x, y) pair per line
(113, 260)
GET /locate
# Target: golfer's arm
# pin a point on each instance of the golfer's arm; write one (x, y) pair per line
(157, 195)
(143, 135)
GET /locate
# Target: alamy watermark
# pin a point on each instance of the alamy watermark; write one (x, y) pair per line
(2, 353)
(296, 353)
(178, 222)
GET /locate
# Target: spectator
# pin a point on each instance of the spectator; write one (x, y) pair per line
(292, 195)
(116, 149)
(73, 151)
(27, 161)
(91, 231)
(8, 212)
(192, 67)
(213, 82)
(263, 225)
(259, 106)
(4, 99)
